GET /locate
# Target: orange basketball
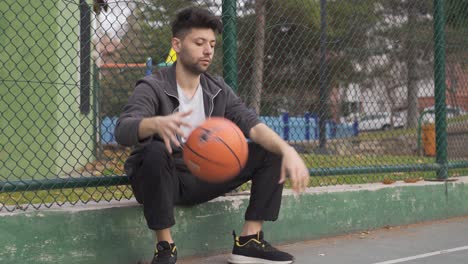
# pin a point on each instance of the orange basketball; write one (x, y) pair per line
(216, 151)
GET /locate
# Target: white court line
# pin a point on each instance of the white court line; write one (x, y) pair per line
(445, 251)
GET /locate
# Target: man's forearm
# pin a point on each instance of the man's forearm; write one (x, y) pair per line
(267, 138)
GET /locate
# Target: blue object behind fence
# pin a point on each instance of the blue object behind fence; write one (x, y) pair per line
(306, 127)
(107, 130)
(149, 66)
(108, 123)
(289, 128)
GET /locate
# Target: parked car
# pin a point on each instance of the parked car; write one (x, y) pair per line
(399, 119)
(381, 121)
(451, 112)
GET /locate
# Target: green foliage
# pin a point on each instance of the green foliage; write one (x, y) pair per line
(292, 51)
(116, 87)
(457, 14)
(356, 32)
(147, 34)
(457, 32)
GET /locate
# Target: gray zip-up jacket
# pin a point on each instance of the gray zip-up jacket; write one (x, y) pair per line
(156, 95)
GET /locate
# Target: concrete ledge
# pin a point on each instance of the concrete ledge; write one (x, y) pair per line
(116, 232)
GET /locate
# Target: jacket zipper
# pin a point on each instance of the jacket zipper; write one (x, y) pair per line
(177, 98)
(175, 110)
(212, 103)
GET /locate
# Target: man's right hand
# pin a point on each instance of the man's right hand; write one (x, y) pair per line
(167, 127)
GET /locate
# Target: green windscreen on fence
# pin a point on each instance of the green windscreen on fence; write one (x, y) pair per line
(365, 90)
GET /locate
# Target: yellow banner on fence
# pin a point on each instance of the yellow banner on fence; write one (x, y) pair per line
(172, 57)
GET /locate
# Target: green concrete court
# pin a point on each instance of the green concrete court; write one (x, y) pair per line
(116, 232)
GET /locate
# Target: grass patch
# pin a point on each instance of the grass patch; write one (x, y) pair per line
(457, 119)
(331, 161)
(47, 198)
(400, 132)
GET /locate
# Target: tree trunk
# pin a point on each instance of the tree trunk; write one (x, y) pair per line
(411, 64)
(259, 49)
(324, 112)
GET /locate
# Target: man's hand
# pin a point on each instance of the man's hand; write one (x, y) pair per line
(294, 168)
(292, 165)
(166, 126)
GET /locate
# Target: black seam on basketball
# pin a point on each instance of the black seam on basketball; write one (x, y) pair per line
(203, 157)
(230, 149)
(209, 130)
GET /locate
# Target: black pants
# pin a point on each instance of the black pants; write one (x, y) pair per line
(162, 181)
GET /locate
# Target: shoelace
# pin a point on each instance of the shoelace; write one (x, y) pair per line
(267, 246)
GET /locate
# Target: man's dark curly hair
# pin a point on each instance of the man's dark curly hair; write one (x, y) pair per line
(195, 17)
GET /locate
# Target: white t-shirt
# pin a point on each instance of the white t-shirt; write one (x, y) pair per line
(196, 104)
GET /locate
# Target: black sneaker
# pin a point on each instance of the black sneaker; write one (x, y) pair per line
(254, 249)
(165, 253)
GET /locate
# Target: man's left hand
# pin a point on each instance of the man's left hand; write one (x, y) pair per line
(295, 169)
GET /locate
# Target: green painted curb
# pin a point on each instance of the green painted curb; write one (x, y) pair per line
(116, 232)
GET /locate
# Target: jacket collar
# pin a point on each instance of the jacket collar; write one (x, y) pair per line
(170, 74)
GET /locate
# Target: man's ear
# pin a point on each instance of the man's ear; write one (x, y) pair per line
(176, 43)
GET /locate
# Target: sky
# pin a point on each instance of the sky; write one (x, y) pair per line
(114, 19)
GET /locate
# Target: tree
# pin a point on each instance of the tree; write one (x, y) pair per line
(457, 14)
(456, 40)
(405, 39)
(409, 30)
(146, 33)
(258, 55)
(291, 53)
(411, 63)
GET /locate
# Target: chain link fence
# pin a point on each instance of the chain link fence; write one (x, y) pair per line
(365, 90)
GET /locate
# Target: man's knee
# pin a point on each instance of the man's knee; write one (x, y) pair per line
(154, 157)
(268, 157)
(156, 152)
(273, 158)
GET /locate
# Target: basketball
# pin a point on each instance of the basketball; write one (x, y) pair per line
(216, 151)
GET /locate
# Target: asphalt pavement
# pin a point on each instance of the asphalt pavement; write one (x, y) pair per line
(437, 242)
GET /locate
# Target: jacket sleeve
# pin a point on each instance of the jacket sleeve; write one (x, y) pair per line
(237, 112)
(143, 103)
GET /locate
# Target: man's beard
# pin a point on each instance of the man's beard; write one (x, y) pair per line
(194, 67)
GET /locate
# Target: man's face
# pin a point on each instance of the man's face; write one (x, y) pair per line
(195, 50)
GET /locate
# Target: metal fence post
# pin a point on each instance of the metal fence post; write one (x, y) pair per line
(96, 119)
(149, 66)
(439, 86)
(85, 56)
(230, 43)
(285, 117)
(316, 126)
